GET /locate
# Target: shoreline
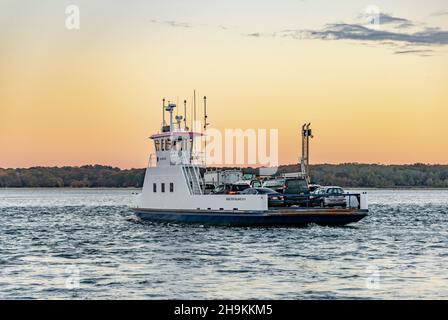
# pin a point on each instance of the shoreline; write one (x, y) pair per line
(134, 188)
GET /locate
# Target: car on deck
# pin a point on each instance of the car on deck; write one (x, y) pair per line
(314, 187)
(230, 188)
(296, 192)
(275, 199)
(331, 196)
(277, 184)
(253, 183)
(208, 189)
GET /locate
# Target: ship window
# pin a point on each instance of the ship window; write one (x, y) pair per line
(180, 143)
(162, 145)
(154, 187)
(157, 145)
(171, 187)
(163, 187)
(167, 144)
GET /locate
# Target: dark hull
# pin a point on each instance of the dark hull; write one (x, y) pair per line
(275, 217)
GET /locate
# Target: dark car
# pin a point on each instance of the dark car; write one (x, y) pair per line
(314, 187)
(230, 188)
(329, 197)
(209, 188)
(277, 184)
(275, 199)
(296, 192)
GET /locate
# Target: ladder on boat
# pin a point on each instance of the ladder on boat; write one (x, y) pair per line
(193, 179)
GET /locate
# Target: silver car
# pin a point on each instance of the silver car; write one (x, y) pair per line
(329, 197)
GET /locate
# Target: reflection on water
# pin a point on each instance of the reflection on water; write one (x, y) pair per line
(86, 244)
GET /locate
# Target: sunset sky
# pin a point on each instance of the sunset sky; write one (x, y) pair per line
(93, 95)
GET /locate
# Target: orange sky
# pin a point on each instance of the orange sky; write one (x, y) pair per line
(93, 95)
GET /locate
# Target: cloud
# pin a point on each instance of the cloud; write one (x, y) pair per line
(439, 13)
(255, 34)
(388, 19)
(343, 31)
(258, 35)
(175, 24)
(186, 25)
(399, 34)
(422, 53)
(391, 31)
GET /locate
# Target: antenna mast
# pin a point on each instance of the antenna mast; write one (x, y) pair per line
(205, 137)
(191, 121)
(163, 112)
(185, 114)
(305, 160)
(194, 123)
(308, 135)
(205, 129)
(170, 109)
(194, 109)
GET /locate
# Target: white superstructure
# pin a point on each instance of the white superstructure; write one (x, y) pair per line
(173, 178)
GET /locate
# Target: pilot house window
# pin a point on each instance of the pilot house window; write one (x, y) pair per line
(154, 187)
(171, 187)
(167, 145)
(163, 187)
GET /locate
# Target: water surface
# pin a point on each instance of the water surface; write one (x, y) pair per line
(87, 244)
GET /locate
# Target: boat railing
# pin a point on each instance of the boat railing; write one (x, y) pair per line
(352, 200)
(193, 179)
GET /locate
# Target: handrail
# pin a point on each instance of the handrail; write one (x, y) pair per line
(362, 201)
(191, 175)
(308, 198)
(197, 176)
(187, 179)
(320, 195)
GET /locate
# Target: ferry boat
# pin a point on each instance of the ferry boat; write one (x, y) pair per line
(173, 191)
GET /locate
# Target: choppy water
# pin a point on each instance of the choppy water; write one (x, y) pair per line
(86, 244)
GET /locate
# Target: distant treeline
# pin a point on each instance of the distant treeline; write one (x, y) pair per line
(345, 175)
(76, 177)
(379, 176)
